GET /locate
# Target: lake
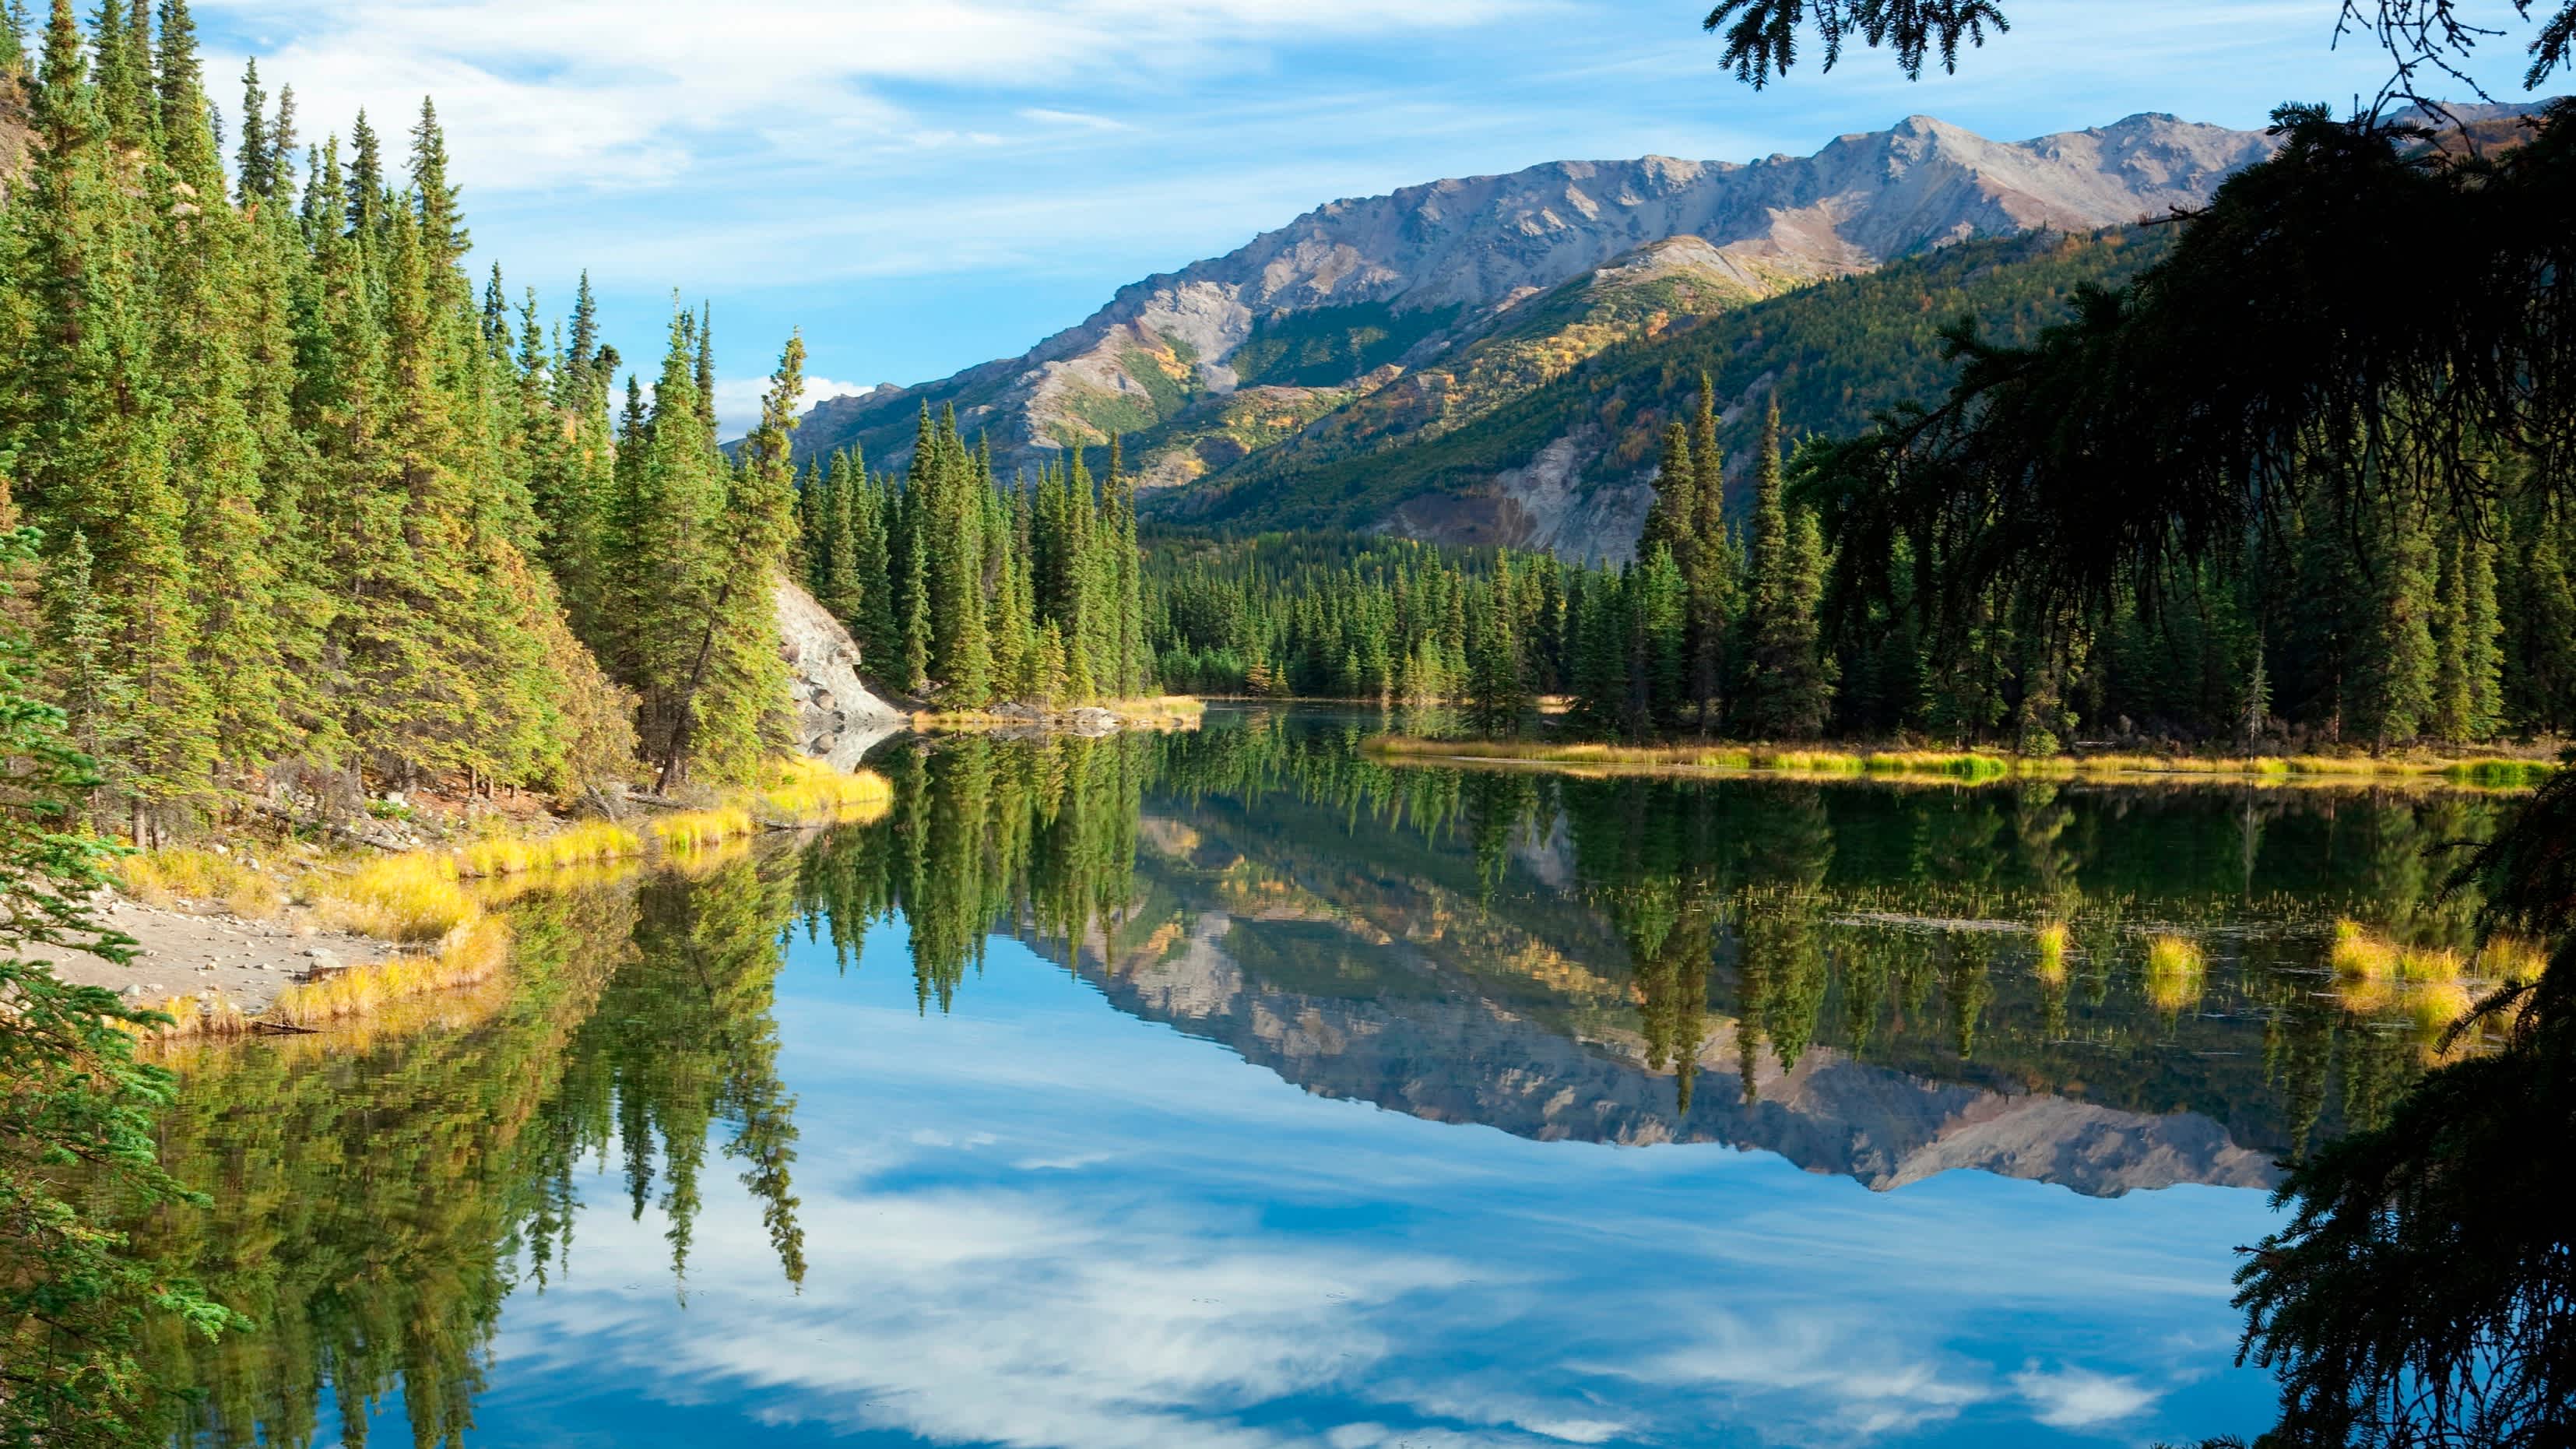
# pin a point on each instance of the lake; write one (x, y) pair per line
(1232, 1088)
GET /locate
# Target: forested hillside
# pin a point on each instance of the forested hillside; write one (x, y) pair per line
(1834, 354)
(317, 519)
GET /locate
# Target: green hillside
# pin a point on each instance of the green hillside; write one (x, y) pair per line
(1838, 351)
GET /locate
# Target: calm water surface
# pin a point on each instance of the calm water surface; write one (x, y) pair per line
(1230, 1089)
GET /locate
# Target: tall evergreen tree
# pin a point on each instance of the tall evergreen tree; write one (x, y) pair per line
(2393, 698)
(1786, 690)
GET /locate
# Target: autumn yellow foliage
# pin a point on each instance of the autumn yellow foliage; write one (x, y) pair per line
(583, 844)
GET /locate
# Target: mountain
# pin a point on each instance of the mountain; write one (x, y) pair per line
(1569, 465)
(1473, 293)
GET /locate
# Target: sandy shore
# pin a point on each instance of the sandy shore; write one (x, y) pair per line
(189, 952)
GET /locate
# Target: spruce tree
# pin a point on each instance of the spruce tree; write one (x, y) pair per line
(366, 183)
(2481, 646)
(2394, 667)
(1786, 690)
(96, 701)
(672, 559)
(1669, 517)
(2453, 710)
(95, 443)
(1714, 566)
(255, 156)
(738, 685)
(1498, 691)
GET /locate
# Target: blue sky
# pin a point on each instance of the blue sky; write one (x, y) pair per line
(921, 186)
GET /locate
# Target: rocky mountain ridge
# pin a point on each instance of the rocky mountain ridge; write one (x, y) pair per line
(1423, 283)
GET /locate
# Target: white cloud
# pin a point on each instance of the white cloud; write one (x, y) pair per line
(591, 94)
(738, 400)
(2080, 1398)
(1075, 120)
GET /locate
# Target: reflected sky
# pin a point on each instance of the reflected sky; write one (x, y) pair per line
(1039, 1220)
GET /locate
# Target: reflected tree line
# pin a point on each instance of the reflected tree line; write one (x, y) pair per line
(1894, 925)
(373, 1205)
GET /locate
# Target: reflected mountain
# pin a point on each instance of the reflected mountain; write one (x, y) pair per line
(1449, 1056)
(1575, 959)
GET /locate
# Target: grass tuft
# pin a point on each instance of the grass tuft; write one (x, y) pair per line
(691, 829)
(2514, 959)
(2422, 964)
(2175, 972)
(810, 790)
(2436, 1005)
(193, 1014)
(2359, 955)
(2052, 951)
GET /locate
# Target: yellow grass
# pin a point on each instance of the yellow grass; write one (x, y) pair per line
(493, 892)
(166, 877)
(2428, 964)
(193, 1014)
(470, 954)
(2359, 955)
(410, 897)
(810, 790)
(1158, 706)
(1976, 764)
(1146, 711)
(574, 845)
(2511, 958)
(2501, 774)
(2175, 970)
(2052, 951)
(2367, 995)
(2435, 1005)
(690, 829)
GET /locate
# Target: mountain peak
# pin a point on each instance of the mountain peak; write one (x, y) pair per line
(1404, 280)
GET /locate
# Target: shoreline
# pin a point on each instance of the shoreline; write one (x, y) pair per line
(228, 948)
(2483, 773)
(1099, 717)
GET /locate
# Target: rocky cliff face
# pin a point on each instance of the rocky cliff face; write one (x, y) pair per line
(1389, 285)
(837, 718)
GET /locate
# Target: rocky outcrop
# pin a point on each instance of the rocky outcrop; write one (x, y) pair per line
(1543, 505)
(837, 717)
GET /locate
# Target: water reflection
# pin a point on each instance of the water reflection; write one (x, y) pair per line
(1784, 934)
(1035, 1221)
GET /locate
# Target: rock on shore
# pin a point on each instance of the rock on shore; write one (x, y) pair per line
(837, 717)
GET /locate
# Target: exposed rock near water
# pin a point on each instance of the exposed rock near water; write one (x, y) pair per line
(837, 717)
